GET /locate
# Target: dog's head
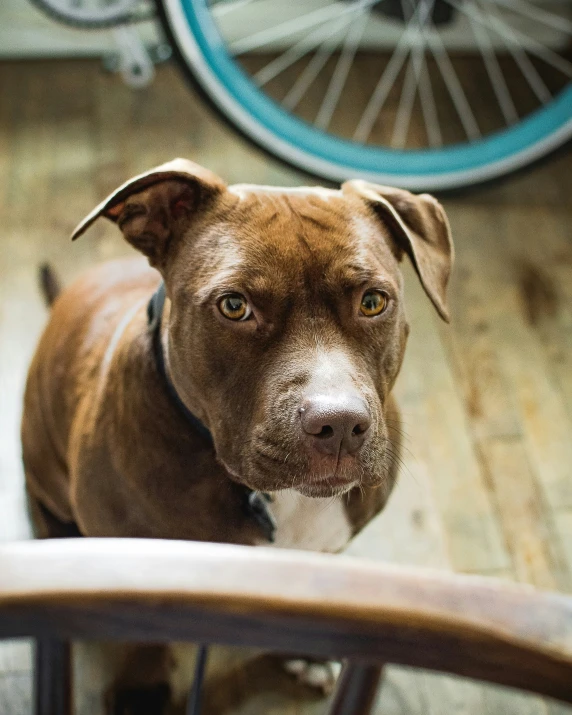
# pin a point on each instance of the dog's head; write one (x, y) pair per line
(286, 327)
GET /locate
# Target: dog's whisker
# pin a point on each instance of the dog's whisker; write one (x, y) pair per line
(404, 448)
(402, 465)
(398, 430)
(397, 427)
(388, 441)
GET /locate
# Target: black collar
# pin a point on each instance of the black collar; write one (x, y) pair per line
(255, 504)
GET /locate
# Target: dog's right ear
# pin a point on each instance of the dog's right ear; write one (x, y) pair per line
(153, 208)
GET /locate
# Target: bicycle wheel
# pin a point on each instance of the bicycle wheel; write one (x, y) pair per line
(423, 94)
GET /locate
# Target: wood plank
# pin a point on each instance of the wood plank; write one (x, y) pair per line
(543, 271)
(544, 276)
(491, 406)
(536, 557)
(546, 425)
(488, 287)
(470, 348)
(474, 539)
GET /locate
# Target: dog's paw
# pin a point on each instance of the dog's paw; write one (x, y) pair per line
(320, 675)
(152, 700)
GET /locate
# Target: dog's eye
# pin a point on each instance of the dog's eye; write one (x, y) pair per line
(374, 302)
(234, 307)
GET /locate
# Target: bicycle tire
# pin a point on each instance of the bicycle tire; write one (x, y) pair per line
(194, 39)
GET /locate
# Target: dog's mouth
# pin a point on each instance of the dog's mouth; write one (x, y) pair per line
(330, 477)
(313, 478)
(312, 485)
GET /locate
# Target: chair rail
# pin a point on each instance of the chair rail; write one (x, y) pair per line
(323, 605)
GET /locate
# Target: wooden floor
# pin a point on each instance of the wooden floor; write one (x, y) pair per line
(487, 483)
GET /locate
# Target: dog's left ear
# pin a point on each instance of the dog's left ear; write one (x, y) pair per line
(420, 228)
(154, 208)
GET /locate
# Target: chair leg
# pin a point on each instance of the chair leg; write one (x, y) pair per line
(52, 677)
(356, 689)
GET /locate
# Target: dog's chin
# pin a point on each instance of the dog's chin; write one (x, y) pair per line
(333, 487)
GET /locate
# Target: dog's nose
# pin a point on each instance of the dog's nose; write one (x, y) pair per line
(335, 424)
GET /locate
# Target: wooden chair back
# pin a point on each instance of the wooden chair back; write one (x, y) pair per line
(327, 606)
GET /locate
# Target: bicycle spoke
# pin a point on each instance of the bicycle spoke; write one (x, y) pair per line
(429, 109)
(453, 84)
(405, 107)
(539, 15)
(310, 73)
(415, 80)
(380, 94)
(428, 106)
(223, 8)
(494, 71)
(528, 70)
(301, 48)
(340, 75)
(386, 81)
(297, 24)
(533, 46)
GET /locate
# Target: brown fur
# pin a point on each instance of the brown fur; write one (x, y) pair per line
(105, 448)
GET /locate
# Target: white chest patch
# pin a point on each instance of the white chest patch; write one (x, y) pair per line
(313, 524)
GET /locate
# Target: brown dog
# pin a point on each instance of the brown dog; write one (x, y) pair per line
(283, 332)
